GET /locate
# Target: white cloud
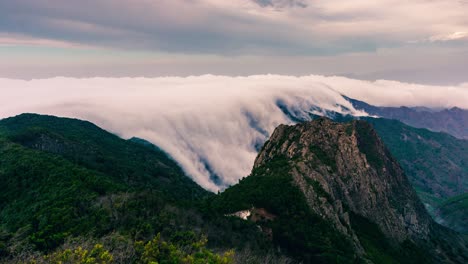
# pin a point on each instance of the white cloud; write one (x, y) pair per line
(449, 37)
(216, 120)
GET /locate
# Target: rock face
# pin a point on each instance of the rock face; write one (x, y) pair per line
(347, 165)
(345, 172)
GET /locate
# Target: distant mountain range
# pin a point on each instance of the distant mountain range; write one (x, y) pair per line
(453, 121)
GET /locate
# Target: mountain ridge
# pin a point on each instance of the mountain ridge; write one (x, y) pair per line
(319, 157)
(453, 121)
(67, 183)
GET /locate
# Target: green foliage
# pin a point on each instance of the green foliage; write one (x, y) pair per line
(97, 255)
(367, 143)
(377, 247)
(435, 163)
(318, 188)
(132, 163)
(159, 251)
(186, 250)
(56, 196)
(64, 177)
(325, 157)
(260, 188)
(453, 212)
(349, 130)
(303, 234)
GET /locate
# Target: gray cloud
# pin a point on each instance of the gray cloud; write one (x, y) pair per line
(235, 27)
(282, 3)
(184, 37)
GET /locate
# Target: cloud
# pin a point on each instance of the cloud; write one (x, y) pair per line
(459, 35)
(248, 27)
(217, 121)
(18, 40)
(282, 3)
(449, 37)
(183, 37)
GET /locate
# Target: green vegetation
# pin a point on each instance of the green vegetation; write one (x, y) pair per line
(186, 251)
(379, 250)
(437, 166)
(367, 143)
(71, 178)
(86, 145)
(65, 178)
(79, 255)
(325, 157)
(453, 212)
(74, 193)
(435, 163)
(318, 188)
(158, 251)
(299, 231)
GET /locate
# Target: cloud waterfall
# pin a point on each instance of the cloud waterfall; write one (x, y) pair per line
(211, 125)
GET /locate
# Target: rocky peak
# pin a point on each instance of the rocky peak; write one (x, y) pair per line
(344, 168)
(329, 183)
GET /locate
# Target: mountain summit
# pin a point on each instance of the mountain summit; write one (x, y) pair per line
(340, 176)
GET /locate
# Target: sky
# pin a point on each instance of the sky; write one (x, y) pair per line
(206, 80)
(418, 41)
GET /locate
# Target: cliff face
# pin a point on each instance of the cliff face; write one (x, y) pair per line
(435, 163)
(345, 167)
(349, 179)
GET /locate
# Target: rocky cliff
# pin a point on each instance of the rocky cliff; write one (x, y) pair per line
(348, 178)
(351, 165)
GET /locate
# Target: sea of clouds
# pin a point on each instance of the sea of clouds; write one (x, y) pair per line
(211, 125)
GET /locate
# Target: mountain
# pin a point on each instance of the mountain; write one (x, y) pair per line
(320, 192)
(86, 145)
(436, 163)
(64, 177)
(331, 192)
(453, 121)
(453, 213)
(69, 185)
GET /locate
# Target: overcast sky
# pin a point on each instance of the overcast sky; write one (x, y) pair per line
(422, 41)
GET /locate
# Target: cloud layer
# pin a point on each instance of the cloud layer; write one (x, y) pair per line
(210, 124)
(238, 26)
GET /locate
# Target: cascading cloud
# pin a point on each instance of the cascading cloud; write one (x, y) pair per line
(211, 125)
